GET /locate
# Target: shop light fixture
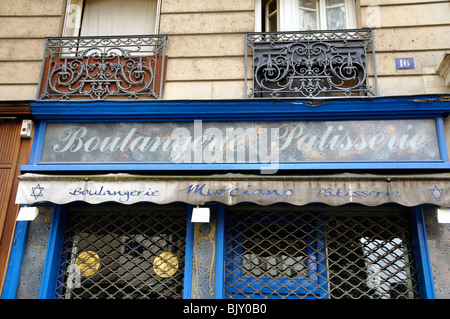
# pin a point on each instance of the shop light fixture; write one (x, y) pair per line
(27, 213)
(443, 215)
(200, 215)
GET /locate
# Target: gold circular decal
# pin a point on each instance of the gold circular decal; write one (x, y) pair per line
(165, 265)
(89, 263)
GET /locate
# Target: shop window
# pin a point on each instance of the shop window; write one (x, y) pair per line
(120, 252)
(332, 254)
(307, 15)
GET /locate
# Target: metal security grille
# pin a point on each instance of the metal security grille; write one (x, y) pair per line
(352, 253)
(123, 252)
(309, 63)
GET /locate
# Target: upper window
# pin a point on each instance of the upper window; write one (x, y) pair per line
(305, 15)
(110, 17)
(109, 49)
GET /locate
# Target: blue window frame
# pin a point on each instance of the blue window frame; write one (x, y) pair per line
(383, 108)
(36, 164)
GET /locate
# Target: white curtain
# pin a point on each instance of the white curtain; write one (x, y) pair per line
(118, 17)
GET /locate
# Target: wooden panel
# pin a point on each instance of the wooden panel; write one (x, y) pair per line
(9, 151)
(9, 140)
(4, 179)
(12, 109)
(10, 146)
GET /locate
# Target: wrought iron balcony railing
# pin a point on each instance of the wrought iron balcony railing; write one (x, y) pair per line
(310, 64)
(103, 68)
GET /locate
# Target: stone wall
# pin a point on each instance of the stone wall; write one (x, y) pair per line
(206, 45)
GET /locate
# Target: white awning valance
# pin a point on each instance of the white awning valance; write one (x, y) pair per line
(230, 189)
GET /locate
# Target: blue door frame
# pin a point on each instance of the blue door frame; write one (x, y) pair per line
(219, 257)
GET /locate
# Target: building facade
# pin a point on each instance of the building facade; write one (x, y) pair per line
(226, 150)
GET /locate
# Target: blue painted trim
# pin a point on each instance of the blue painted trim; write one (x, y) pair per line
(53, 254)
(273, 109)
(38, 143)
(34, 147)
(220, 252)
(15, 260)
(425, 276)
(227, 167)
(187, 287)
(440, 130)
(322, 287)
(239, 110)
(219, 257)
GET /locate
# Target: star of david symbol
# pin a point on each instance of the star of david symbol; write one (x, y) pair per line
(437, 193)
(37, 191)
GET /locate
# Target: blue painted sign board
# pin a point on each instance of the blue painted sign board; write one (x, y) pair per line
(405, 63)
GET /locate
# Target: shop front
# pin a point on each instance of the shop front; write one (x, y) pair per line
(231, 199)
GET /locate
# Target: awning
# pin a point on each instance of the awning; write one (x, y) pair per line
(230, 189)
